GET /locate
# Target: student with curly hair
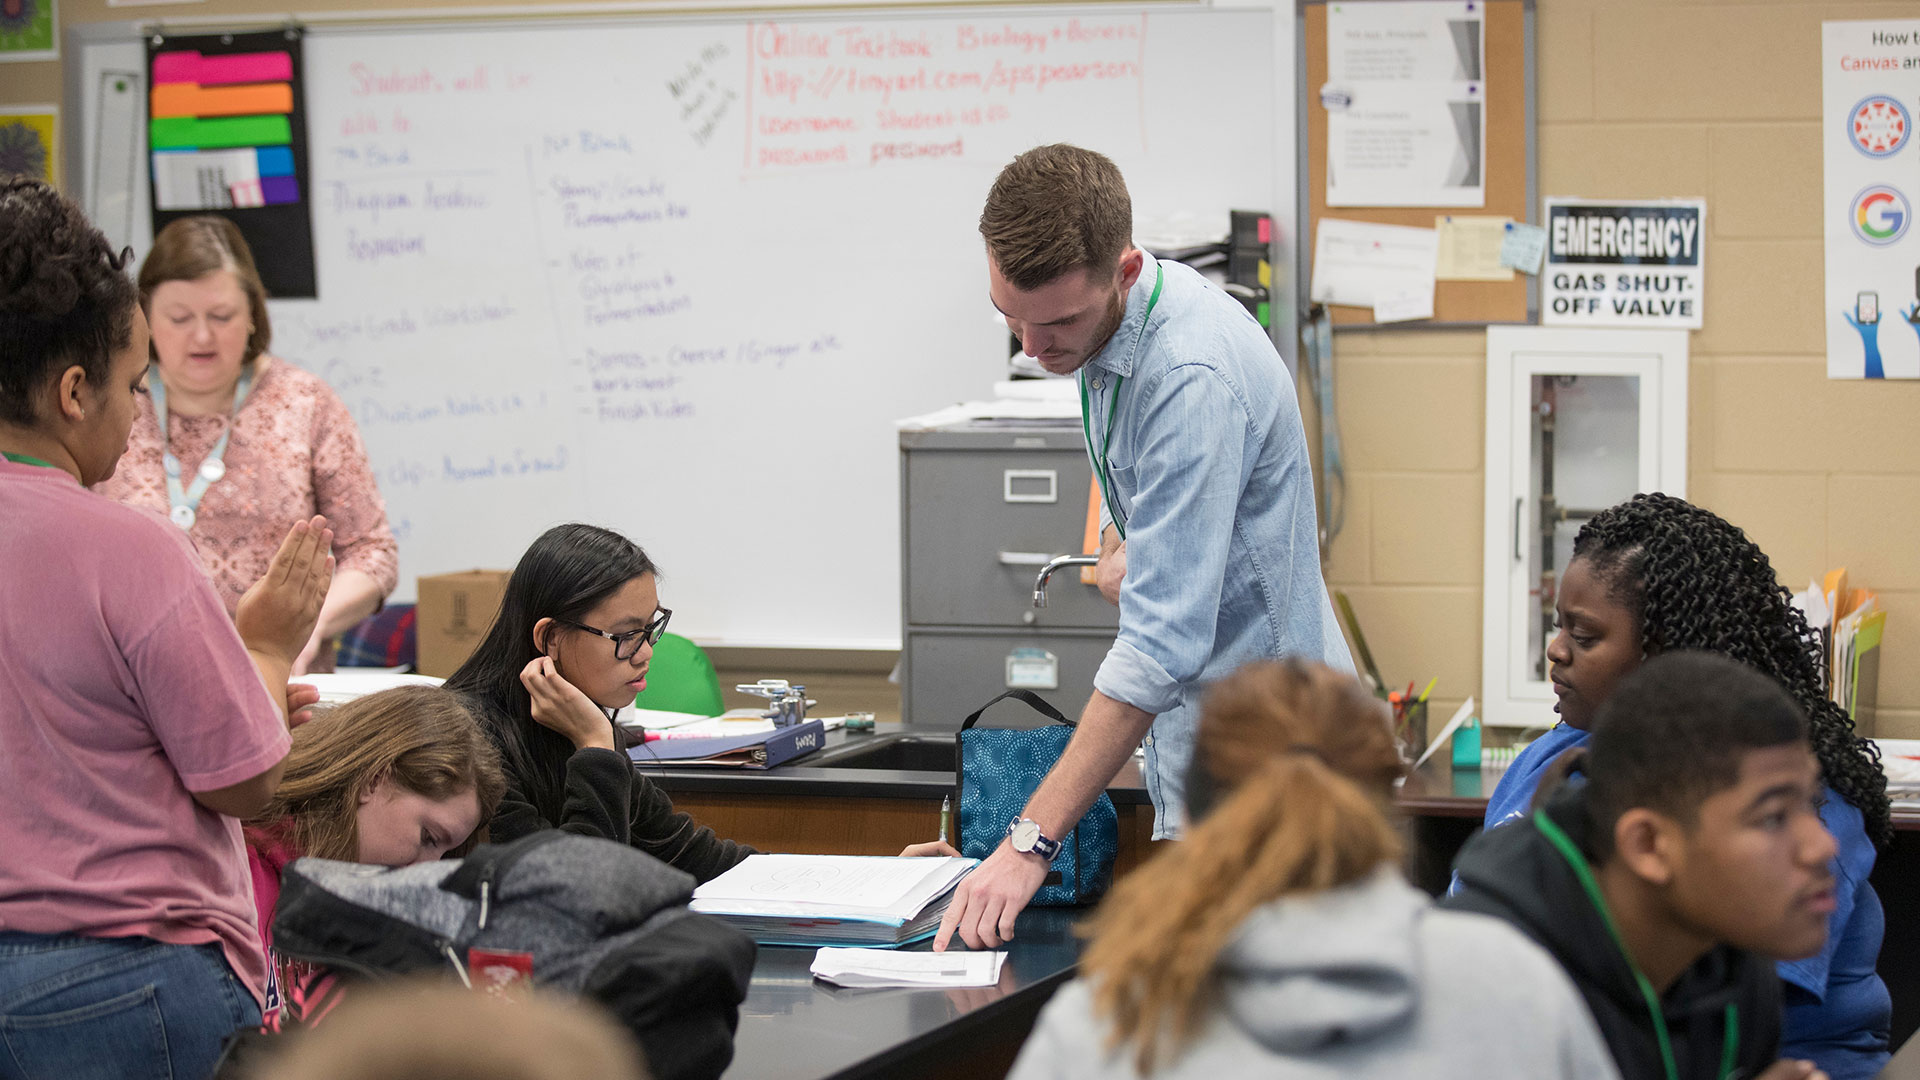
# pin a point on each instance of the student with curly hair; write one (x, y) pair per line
(140, 723)
(1671, 882)
(1657, 574)
(1279, 939)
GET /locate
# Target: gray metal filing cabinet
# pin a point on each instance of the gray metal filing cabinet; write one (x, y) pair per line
(982, 509)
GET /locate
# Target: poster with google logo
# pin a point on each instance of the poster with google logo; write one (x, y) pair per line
(1871, 94)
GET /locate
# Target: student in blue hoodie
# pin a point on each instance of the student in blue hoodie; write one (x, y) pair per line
(1656, 574)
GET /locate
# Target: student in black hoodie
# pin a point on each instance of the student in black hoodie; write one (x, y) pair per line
(1668, 884)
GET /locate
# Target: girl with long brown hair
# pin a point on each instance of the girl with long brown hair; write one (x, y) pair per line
(395, 778)
(1279, 937)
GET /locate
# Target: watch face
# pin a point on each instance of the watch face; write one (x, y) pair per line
(1024, 834)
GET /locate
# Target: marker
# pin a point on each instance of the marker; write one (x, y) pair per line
(1429, 689)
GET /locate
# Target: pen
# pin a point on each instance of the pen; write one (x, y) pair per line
(946, 812)
(655, 736)
(1430, 685)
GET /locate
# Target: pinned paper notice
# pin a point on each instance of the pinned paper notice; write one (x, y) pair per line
(1523, 246)
(1357, 262)
(1470, 248)
(1403, 302)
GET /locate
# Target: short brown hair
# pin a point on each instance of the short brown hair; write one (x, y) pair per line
(1053, 210)
(425, 738)
(193, 247)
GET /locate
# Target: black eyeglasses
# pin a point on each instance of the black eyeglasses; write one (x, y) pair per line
(627, 644)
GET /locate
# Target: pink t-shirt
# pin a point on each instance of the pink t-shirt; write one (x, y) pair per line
(123, 687)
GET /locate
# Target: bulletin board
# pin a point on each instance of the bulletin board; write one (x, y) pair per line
(1511, 189)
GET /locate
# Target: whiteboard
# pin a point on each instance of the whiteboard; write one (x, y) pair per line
(678, 277)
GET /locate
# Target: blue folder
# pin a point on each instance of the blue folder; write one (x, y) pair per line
(761, 750)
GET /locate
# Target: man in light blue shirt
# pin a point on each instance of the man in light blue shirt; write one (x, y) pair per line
(1210, 545)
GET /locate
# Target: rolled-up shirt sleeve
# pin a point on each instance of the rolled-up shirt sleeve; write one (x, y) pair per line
(1188, 471)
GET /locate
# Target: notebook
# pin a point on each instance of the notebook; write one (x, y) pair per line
(848, 900)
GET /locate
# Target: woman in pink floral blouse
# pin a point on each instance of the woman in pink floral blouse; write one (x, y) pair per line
(236, 445)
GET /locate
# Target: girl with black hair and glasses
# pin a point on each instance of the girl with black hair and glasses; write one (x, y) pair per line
(569, 649)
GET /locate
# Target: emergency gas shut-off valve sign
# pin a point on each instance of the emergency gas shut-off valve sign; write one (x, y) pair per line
(1615, 262)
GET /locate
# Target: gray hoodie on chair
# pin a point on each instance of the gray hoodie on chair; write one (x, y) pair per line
(1369, 980)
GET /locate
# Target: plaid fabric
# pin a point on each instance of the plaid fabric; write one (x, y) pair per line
(384, 639)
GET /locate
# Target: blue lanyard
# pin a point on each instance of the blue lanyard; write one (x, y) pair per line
(1101, 471)
(186, 503)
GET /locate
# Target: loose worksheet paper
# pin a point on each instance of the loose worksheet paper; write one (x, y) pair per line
(1358, 263)
(875, 967)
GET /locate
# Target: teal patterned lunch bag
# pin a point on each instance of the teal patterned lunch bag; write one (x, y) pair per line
(1000, 768)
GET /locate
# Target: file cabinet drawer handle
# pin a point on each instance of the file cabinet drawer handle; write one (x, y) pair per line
(1025, 558)
(1030, 492)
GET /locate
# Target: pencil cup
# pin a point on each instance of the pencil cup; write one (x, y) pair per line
(1413, 733)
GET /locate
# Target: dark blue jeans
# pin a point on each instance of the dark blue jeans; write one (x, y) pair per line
(79, 1008)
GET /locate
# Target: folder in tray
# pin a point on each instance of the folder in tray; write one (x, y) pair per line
(760, 750)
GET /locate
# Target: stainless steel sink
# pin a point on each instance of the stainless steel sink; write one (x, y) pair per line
(909, 753)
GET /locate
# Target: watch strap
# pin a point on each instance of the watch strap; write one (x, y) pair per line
(1043, 845)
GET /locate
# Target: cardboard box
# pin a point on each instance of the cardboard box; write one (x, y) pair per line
(454, 612)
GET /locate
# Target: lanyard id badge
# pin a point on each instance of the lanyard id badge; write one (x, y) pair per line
(185, 502)
(1101, 471)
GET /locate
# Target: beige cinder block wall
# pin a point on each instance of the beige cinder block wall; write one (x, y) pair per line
(1642, 99)
(1637, 98)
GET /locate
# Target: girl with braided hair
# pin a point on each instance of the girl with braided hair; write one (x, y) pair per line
(1657, 574)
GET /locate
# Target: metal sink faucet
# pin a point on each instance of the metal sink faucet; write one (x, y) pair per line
(1040, 584)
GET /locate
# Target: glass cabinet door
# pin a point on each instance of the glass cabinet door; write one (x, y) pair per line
(1583, 456)
(1577, 420)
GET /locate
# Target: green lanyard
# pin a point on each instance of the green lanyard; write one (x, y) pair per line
(1578, 861)
(1101, 472)
(22, 459)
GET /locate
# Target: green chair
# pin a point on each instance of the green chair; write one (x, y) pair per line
(680, 678)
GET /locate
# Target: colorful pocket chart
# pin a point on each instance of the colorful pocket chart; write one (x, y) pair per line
(227, 135)
(220, 131)
(192, 67)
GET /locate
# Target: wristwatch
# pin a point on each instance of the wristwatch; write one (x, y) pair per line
(1027, 838)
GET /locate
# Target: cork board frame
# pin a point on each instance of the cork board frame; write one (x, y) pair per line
(1511, 171)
